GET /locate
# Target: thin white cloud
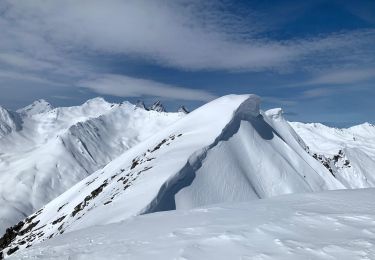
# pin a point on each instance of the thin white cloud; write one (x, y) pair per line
(279, 101)
(317, 93)
(123, 86)
(27, 77)
(346, 76)
(50, 41)
(172, 33)
(165, 32)
(22, 61)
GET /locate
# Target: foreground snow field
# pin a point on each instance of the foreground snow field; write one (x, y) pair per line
(328, 225)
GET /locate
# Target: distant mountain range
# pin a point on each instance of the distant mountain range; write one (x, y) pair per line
(70, 168)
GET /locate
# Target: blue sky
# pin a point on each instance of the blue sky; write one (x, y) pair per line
(315, 59)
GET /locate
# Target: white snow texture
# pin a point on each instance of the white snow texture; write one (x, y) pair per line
(94, 169)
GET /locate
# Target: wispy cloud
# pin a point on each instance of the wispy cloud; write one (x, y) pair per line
(22, 61)
(170, 33)
(317, 93)
(123, 86)
(341, 77)
(279, 101)
(27, 77)
(56, 42)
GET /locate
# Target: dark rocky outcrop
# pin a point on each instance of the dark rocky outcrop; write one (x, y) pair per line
(183, 109)
(140, 104)
(158, 107)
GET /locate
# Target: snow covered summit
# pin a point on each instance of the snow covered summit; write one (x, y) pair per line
(140, 104)
(157, 106)
(37, 107)
(183, 109)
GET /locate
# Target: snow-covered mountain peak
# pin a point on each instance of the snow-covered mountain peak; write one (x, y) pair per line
(3, 113)
(367, 124)
(97, 102)
(158, 107)
(183, 109)
(140, 104)
(366, 130)
(37, 107)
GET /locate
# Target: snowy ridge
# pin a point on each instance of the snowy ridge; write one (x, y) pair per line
(157, 106)
(37, 107)
(252, 158)
(56, 149)
(348, 153)
(9, 122)
(140, 104)
(183, 109)
(225, 151)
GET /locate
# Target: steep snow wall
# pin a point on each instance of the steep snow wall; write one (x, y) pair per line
(257, 155)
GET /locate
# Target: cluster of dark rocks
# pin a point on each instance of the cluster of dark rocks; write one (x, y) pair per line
(159, 107)
(332, 163)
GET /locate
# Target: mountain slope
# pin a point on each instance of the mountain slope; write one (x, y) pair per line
(225, 151)
(9, 122)
(57, 148)
(348, 153)
(256, 156)
(329, 225)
